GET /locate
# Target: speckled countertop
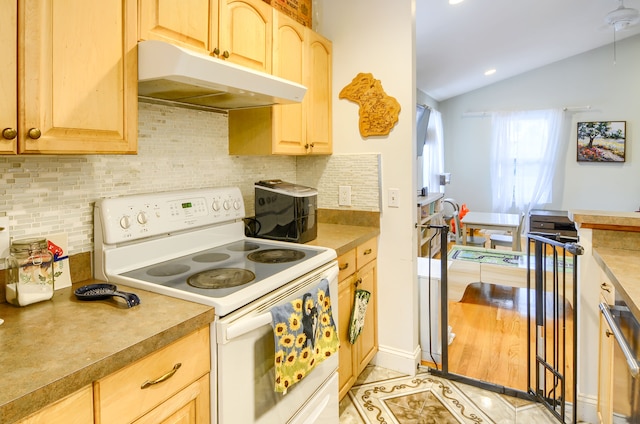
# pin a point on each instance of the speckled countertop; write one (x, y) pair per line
(605, 219)
(53, 348)
(622, 266)
(343, 238)
(616, 249)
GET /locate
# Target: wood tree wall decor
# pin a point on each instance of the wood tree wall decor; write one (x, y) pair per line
(378, 112)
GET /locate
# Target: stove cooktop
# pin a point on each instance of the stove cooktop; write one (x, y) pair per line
(226, 269)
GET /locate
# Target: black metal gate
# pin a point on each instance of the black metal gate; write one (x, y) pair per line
(553, 316)
(552, 330)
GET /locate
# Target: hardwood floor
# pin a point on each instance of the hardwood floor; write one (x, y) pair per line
(490, 323)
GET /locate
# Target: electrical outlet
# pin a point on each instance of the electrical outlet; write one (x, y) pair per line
(344, 196)
(394, 198)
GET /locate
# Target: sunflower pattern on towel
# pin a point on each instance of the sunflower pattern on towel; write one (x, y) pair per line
(304, 335)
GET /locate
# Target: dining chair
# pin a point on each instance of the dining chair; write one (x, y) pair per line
(505, 240)
(449, 206)
(477, 241)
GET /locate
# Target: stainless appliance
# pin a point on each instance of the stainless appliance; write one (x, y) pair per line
(191, 245)
(626, 368)
(172, 73)
(286, 211)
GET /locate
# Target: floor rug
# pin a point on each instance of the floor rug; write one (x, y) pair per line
(422, 399)
(501, 257)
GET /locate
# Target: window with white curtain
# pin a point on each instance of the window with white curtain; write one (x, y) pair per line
(525, 146)
(433, 155)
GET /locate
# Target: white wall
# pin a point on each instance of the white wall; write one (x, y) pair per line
(377, 36)
(589, 79)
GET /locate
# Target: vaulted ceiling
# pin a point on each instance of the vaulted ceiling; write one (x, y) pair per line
(456, 44)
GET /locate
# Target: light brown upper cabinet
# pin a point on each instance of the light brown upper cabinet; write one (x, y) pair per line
(302, 56)
(71, 76)
(236, 30)
(318, 79)
(9, 78)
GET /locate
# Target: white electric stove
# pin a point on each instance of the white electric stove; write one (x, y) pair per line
(191, 245)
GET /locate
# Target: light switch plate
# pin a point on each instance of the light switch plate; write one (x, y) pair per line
(394, 198)
(5, 240)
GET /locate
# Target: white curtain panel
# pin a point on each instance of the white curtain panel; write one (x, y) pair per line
(525, 147)
(434, 153)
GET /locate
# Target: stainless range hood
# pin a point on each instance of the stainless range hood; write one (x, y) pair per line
(171, 73)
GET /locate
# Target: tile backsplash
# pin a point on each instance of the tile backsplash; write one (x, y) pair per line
(177, 149)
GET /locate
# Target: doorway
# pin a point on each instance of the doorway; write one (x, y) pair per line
(511, 328)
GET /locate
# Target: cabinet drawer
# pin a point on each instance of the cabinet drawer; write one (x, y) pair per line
(607, 291)
(543, 225)
(75, 408)
(347, 264)
(367, 252)
(120, 398)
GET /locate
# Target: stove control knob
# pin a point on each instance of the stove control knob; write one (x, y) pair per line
(125, 222)
(142, 218)
(236, 205)
(216, 206)
(226, 205)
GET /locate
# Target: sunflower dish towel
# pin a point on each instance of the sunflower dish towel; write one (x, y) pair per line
(304, 334)
(360, 302)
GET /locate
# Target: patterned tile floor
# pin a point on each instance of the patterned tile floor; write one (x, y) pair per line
(385, 396)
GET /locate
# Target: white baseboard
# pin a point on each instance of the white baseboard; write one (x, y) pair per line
(587, 409)
(398, 360)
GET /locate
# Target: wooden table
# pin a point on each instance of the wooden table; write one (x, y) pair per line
(494, 221)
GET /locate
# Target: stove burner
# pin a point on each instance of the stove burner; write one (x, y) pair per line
(221, 278)
(167, 270)
(211, 257)
(276, 256)
(243, 246)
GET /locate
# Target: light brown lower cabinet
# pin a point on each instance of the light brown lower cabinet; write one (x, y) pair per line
(358, 270)
(75, 408)
(170, 385)
(605, 360)
(605, 373)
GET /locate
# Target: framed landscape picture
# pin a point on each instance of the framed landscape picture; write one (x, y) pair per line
(602, 141)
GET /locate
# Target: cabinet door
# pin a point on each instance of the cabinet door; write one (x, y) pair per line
(122, 397)
(367, 343)
(8, 77)
(318, 76)
(189, 406)
(75, 408)
(192, 24)
(605, 373)
(77, 73)
(346, 370)
(288, 57)
(245, 33)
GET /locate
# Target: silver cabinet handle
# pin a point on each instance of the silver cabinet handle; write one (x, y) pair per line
(632, 363)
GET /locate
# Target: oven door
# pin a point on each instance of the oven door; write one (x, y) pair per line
(245, 363)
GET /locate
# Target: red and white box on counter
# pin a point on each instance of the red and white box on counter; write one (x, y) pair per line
(57, 245)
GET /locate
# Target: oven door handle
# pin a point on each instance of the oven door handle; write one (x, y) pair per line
(246, 325)
(632, 362)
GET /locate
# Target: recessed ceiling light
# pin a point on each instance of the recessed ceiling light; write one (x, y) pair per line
(490, 72)
(455, 1)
